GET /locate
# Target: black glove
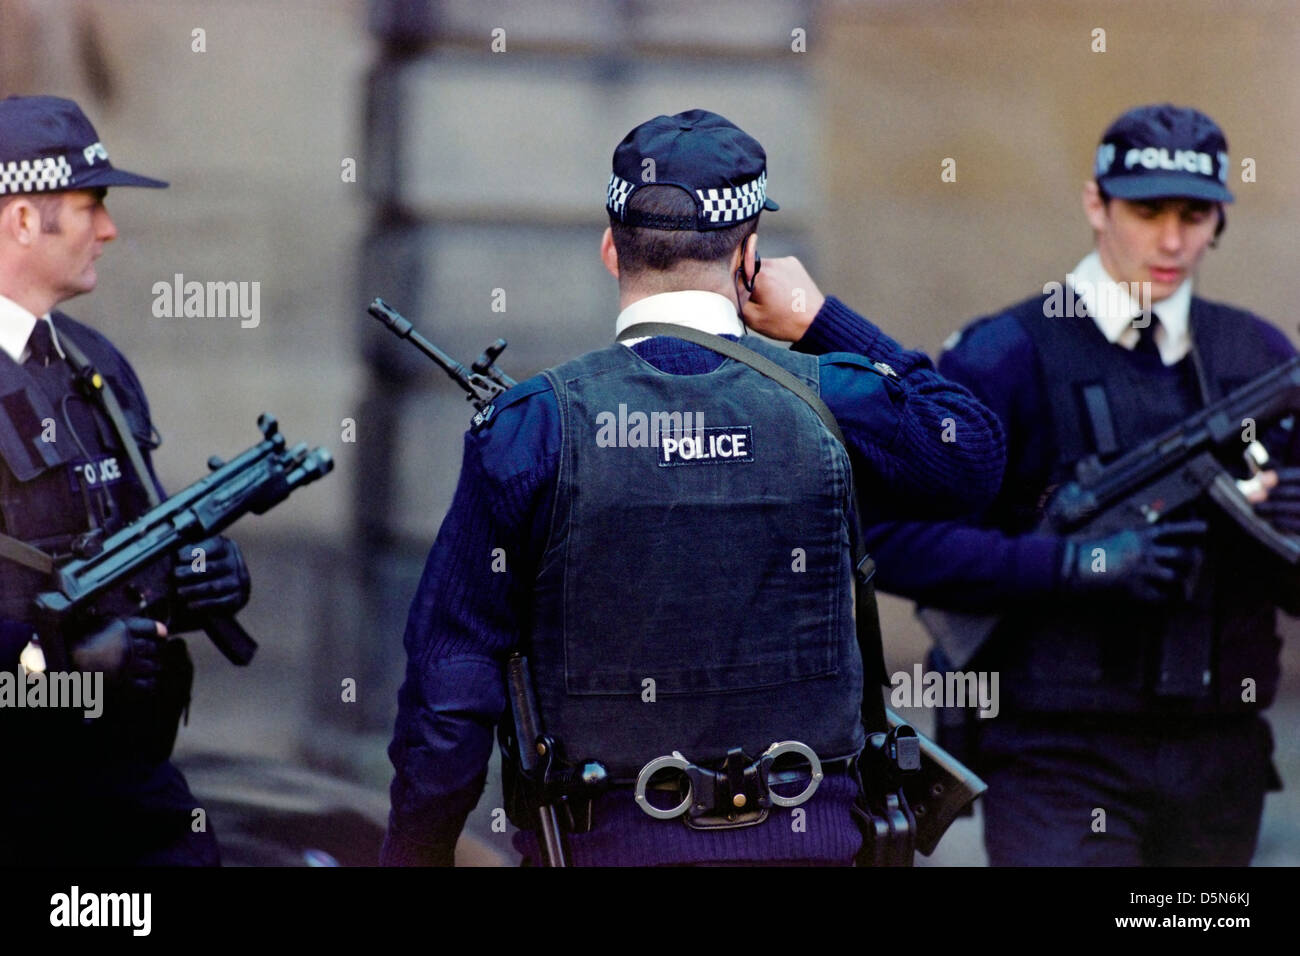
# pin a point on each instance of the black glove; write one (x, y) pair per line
(1146, 565)
(1282, 509)
(219, 590)
(128, 651)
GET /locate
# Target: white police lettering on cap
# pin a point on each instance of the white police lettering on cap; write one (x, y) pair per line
(1105, 156)
(1183, 160)
(712, 446)
(94, 151)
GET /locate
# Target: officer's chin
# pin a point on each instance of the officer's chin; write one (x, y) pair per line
(1162, 289)
(85, 286)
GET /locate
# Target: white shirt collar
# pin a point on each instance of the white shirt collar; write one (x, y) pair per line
(695, 309)
(16, 325)
(1113, 310)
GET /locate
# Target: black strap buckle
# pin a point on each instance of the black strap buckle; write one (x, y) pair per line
(887, 822)
(546, 780)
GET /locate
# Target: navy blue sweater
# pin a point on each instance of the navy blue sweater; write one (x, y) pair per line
(465, 620)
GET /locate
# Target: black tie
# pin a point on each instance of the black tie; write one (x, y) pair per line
(41, 344)
(1146, 343)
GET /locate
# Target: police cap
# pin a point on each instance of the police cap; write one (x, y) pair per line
(721, 167)
(1154, 152)
(47, 145)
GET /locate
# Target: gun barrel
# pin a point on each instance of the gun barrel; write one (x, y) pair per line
(402, 328)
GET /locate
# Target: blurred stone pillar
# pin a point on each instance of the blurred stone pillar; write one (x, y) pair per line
(55, 47)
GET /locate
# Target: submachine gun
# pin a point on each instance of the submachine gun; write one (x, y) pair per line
(124, 574)
(1156, 479)
(1179, 466)
(937, 787)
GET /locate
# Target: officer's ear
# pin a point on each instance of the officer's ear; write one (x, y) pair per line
(1094, 206)
(751, 259)
(745, 261)
(1220, 226)
(609, 254)
(19, 220)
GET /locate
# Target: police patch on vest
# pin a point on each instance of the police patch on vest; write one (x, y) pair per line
(103, 470)
(707, 446)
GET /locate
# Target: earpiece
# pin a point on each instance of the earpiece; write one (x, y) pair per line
(748, 281)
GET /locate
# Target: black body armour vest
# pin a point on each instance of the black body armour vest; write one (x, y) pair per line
(63, 476)
(63, 472)
(696, 590)
(1185, 657)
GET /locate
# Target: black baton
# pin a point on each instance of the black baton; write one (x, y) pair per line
(532, 747)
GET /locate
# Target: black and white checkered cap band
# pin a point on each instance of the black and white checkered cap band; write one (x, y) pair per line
(34, 175)
(616, 193)
(728, 204)
(734, 203)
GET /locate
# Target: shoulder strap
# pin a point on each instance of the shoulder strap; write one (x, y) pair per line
(114, 410)
(866, 614)
(20, 552)
(734, 350)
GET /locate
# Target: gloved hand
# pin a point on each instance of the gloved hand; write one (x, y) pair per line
(1146, 565)
(220, 589)
(1282, 507)
(128, 651)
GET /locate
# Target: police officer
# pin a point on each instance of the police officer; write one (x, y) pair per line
(73, 470)
(1130, 729)
(666, 532)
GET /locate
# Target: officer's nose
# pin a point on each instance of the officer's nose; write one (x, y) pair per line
(105, 228)
(1171, 232)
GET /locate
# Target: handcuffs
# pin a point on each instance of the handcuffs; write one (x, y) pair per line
(740, 794)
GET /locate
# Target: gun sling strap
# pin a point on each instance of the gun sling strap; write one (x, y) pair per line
(866, 616)
(100, 387)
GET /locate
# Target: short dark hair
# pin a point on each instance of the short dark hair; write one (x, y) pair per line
(47, 204)
(641, 249)
(1218, 230)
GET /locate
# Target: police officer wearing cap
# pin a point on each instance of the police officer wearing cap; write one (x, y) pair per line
(1115, 744)
(685, 597)
(75, 443)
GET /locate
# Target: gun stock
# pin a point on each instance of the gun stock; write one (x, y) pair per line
(939, 791)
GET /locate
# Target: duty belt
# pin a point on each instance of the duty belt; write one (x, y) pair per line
(739, 794)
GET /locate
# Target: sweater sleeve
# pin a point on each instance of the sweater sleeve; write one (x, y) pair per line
(984, 556)
(927, 447)
(467, 616)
